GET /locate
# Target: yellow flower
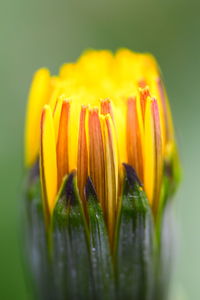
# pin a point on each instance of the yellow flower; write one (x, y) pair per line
(98, 113)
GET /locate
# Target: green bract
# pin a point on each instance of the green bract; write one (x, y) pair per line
(73, 258)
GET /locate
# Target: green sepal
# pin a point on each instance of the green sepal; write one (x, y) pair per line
(71, 259)
(36, 247)
(171, 178)
(165, 237)
(134, 253)
(101, 261)
(170, 181)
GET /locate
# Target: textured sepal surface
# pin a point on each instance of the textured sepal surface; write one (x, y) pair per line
(135, 243)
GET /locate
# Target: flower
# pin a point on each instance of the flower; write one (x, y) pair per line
(100, 112)
(104, 119)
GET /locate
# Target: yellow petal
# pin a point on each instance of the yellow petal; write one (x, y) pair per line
(111, 173)
(153, 153)
(119, 112)
(149, 152)
(67, 70)
(135, 136)
(75, 110)
(38, 97)
(48, 162)
(56, 114)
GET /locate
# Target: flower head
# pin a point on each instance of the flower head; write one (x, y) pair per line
(99, 113)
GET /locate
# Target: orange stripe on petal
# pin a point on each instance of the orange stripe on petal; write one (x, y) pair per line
(106, 108)
(134, 137)
(48, 163)
(82, 160)
(96, 155)
(63, 142)
(144, 93)
(158, 154)
(142, 83)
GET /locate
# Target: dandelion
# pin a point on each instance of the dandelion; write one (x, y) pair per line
(102, 161)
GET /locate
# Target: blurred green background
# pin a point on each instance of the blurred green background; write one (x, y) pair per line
(47, 33)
